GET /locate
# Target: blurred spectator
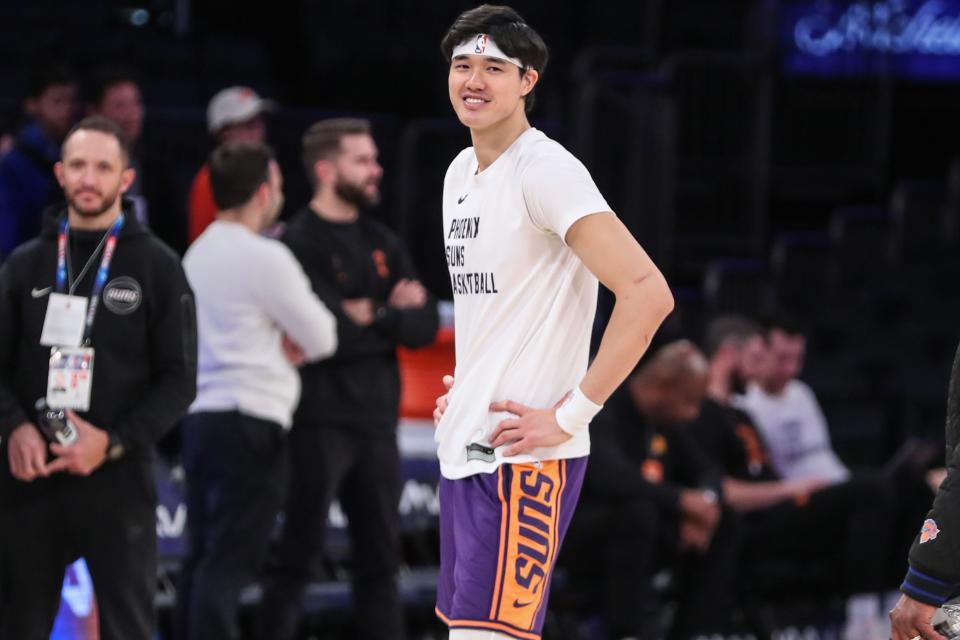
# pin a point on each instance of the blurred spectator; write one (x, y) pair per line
(788, 415)
(344, 438)
(651, 501)
(257, 321)
(235, 114)
(787, 412)
(842, 526)
(114, 92)
(7, 138)
(27, 184)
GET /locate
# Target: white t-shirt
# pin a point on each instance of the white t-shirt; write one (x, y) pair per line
(250, 291)
(524, 302)
(795, 431)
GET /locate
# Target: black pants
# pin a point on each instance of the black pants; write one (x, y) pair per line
(235, 472)
(361, 466)
(847, 525)
(108, 518)
(622, 545)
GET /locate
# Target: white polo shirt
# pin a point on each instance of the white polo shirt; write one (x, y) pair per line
(524, 302)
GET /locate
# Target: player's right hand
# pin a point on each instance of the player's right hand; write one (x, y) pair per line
(442, 401)
(27, 452)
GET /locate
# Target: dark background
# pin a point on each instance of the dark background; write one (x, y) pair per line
(752, 186)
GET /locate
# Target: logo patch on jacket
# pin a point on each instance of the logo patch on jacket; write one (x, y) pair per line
(380, 260)
(122, 295)
(929, 531)
(652, 471)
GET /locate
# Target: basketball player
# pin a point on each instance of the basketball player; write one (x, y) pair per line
(527, 237)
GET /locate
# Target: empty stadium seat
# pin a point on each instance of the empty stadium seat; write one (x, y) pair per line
(918, 228)
(737, 286)
(801, 265)
(861, 239)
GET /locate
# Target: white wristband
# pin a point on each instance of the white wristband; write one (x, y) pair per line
(575, 414)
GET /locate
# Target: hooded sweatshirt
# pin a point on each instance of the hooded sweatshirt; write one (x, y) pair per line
(144, 334)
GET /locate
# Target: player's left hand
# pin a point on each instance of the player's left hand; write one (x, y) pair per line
(84, 456)
(531, 428)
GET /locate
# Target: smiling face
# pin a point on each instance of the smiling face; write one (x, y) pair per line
(786, 353)
(487, 91)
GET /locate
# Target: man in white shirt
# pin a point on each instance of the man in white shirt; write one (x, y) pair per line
(527, 237)
(787, 412)
(257, 319)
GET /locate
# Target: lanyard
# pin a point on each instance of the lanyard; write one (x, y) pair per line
(101, 279)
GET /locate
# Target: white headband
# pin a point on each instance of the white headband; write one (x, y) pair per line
(483, 45)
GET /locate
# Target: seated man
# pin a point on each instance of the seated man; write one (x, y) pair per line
(650, 500)
(787, 412)
(821, 513)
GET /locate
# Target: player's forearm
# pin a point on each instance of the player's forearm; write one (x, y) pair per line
(751, 496)
(640, 308)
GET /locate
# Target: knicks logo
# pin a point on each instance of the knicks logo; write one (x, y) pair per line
(929, 531)
(528, 540)
(481, 43)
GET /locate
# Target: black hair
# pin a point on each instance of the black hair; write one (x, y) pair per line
(729, 327)
(103, 125)
(781, 321)
(106, 76)
(515, 38)
(46, 74)
(237, 171)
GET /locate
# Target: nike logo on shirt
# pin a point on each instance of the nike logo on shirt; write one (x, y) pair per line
(39, 293)
(461, 199)
(519, 605)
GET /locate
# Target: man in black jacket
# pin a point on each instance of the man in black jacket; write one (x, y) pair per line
(934, 573)
(343, 442)
(129, 373)
(651, 500)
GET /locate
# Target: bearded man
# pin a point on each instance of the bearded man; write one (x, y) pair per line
(343, 442)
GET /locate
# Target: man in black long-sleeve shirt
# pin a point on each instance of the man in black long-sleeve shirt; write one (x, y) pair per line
(650, 491)
(94, 498)
(343, 442)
